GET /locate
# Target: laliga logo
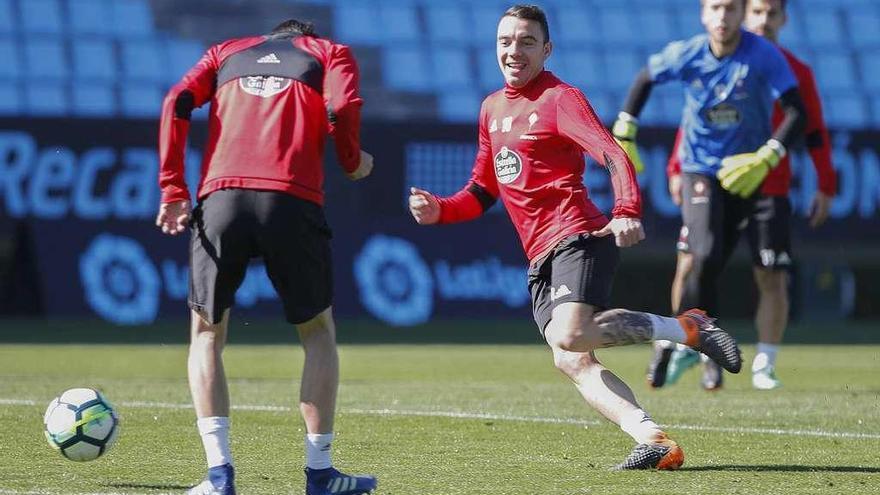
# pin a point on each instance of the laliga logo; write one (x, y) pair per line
(394, 282)
(121, 283)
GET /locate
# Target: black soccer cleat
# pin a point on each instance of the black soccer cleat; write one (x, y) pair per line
(658, 366)
(666, 455)
(704, 336)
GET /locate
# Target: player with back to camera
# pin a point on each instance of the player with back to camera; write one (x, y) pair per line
(769, 234)
(274, 99)
(533, 134)
(731, 79)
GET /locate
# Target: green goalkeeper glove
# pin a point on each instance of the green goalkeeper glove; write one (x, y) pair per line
(624, 132)
(742, 174)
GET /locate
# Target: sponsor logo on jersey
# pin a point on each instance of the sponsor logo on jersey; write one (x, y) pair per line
(723, 116)
(264, 86)
(508, 165)
(562, 291)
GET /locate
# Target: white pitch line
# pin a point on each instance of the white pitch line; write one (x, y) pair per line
(490, 416)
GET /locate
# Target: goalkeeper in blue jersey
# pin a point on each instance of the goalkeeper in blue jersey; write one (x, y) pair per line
(731, 79)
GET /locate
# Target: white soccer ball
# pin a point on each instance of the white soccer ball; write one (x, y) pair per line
(81, 424)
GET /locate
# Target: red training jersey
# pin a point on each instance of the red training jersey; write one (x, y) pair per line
(274, 99)
(531, 154)
(778, 181)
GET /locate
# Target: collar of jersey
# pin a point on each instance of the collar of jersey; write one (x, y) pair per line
(532, 86)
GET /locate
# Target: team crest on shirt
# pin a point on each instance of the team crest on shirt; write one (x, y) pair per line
(508, 165)
(264, 86)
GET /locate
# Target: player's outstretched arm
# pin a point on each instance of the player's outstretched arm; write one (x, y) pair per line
(627, 125)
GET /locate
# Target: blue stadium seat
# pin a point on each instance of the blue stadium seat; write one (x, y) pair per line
(654, 112)
(131, 18)
(7, 25)
(671, 96)
(864, 28)
(45, 57)
(354, 22)
(619, 25)
(490, 78)
(657, 27)
(93, 100)
(835, 70)
(10, 62)
(140, 100)
(89, 16)
(143, 60)
(793, 35)
(870, 63)
(846, 110)
(484, 23)
(41, 16)
(578, 25)
(182, 55)
(399, 22)
(875, 109)
(604, 103)
(10, 100)
(46, 99)
(824, 27)
(94, 59)
(452, 68)
(621, 67)
(584, 68)
(447, 22)
(459, 106)
(406, 68)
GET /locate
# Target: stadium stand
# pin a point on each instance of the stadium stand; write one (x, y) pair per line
(420, 59)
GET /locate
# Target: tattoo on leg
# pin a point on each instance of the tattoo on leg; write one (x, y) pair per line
(624, 327)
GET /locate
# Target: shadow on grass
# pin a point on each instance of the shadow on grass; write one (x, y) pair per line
(785, 468)
(148, 486)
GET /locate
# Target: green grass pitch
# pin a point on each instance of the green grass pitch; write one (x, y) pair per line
(449, 419)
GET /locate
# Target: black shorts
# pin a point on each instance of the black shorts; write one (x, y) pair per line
(713, 220)
(231, 226)
(579, 269)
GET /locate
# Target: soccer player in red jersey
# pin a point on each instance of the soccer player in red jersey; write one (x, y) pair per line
(274, 99)
(533, 134)
(771, 244)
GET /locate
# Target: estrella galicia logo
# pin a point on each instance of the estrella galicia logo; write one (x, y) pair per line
(264, 86)
(508, 165)
(120, 281)
(723, 116)
(394, 281)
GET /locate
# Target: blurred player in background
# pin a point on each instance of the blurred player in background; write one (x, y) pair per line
(731, 80)
(773, 240)
(532, 137)
(274, 99)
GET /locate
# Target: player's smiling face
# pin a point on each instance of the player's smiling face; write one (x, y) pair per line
(522, 50)
(722, 19)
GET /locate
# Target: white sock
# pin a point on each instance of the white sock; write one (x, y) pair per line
(318, 450)
(666, 328)
(215, 438)
(766, 356)
(639, 425)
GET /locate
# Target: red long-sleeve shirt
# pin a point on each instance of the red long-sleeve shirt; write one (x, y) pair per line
(778, 181)
(531, 146)
(274, 100)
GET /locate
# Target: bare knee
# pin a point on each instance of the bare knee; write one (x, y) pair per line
(684, 265)
(573, 364)
(571, 327)
(206, 336)
(771, 282)
(320, 329)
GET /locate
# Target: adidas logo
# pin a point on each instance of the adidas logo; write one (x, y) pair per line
(269, 59)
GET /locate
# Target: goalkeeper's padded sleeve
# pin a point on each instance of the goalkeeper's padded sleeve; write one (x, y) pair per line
(638, 93)
(795, 120)
(624, 132)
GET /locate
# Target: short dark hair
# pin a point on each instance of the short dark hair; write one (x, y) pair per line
(531, 13)
(295, 26)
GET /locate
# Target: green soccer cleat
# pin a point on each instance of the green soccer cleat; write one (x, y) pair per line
(681, 361)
